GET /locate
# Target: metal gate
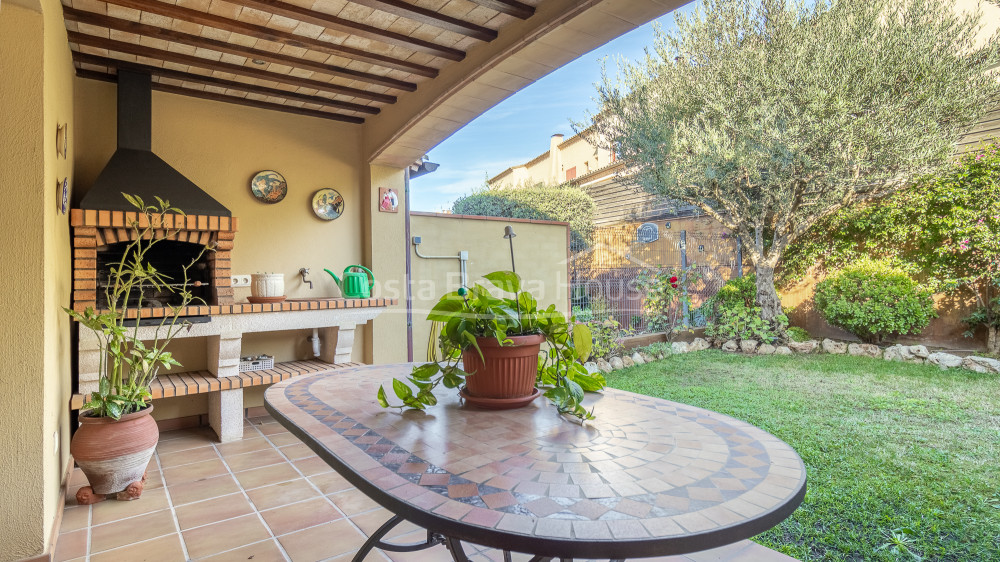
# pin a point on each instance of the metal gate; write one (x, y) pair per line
(604, 274)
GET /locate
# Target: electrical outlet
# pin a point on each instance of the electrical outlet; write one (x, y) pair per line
(241, 280)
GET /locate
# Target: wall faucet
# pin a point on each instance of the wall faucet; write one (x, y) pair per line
(303, 272)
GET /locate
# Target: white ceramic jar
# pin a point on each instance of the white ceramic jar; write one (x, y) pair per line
(267, 285)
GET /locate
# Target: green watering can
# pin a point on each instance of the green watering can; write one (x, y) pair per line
(356, 285)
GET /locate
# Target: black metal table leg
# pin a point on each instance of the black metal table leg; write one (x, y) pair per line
(375, 541)
(453, 545)
(457, 552)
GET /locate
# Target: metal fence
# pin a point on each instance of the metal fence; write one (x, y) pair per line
(604, 275)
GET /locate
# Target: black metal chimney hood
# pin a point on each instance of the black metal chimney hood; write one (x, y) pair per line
(134, 169)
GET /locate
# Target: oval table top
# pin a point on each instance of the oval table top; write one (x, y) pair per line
(646, 477)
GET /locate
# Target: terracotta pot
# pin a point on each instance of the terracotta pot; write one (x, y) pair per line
(114, 454)
(510, 371)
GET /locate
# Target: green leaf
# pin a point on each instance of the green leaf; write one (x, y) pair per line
(426, 371)
(575, 390)
(401, 389)
(590, 382)
(583, 341)
(453, 378)
(446, 309)
(505, 280)
(382, 401)
(114, 410)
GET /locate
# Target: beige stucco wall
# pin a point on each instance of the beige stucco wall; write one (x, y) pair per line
(58, 98)
(220, 147)
(35, 95)
(540, 251)
(385, 235)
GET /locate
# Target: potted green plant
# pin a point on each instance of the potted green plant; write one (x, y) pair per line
(117, 436)
(498, 341)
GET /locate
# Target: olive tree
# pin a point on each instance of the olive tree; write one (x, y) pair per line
(771, 115)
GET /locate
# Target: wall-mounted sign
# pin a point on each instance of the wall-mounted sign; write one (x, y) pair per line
(388, 200)
(647, 232)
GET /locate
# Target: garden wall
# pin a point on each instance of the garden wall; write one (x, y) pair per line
(541, 253)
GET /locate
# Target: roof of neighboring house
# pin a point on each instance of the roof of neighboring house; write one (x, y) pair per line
(596, 172)
(572, 140)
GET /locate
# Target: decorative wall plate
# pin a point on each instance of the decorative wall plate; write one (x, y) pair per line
(328, 204)
(64, 195)
(62, 140)
(268, 186)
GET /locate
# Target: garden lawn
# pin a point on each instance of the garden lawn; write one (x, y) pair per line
(903, 460)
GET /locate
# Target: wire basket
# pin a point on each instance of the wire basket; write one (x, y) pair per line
(258, 363)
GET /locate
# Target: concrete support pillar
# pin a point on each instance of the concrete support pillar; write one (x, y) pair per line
(224, 354)
(338, 341)
(225, 414)
(386, 247)
(90, 364)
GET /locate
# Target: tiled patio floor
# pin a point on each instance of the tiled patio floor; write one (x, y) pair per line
(267, 497)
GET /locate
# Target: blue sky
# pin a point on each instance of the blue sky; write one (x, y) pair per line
(518, 129)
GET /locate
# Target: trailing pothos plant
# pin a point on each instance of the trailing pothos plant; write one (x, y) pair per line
(127, 363)
(467, 314)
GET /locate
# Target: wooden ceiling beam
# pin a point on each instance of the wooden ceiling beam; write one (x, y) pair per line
(94, 75)
(510, 7)
(180, 58)
(430, 17)
(299, 13)
(85, 58)
(274, 35)
(153, 31)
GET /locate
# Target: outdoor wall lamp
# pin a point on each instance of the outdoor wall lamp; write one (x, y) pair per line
(508, 233)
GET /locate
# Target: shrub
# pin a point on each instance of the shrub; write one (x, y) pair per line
(732, 313)
(657, 349)
(608, 337)
(798, 334)
(539, 202)
(873, 299)
(666, 292)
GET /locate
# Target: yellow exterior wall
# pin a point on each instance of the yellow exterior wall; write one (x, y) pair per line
(35, 95)
(58, 99)
(220, 147)
(22, 163)
(386, 236)
(540, 253)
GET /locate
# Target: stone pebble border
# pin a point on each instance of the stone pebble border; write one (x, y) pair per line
(898, 352)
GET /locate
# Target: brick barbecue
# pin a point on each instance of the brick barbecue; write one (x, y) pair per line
(97, 231)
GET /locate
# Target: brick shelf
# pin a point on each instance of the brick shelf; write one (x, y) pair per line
(249, 308)
(198, 382)
(335, 321)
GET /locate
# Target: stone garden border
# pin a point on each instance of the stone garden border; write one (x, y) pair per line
(898, 352)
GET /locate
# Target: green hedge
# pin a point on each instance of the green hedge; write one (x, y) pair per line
(565, 203)
(872, 300)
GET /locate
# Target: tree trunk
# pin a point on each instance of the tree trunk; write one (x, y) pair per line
(993, 340)
(767, 298)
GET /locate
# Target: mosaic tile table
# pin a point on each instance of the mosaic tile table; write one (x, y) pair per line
(647, 477)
